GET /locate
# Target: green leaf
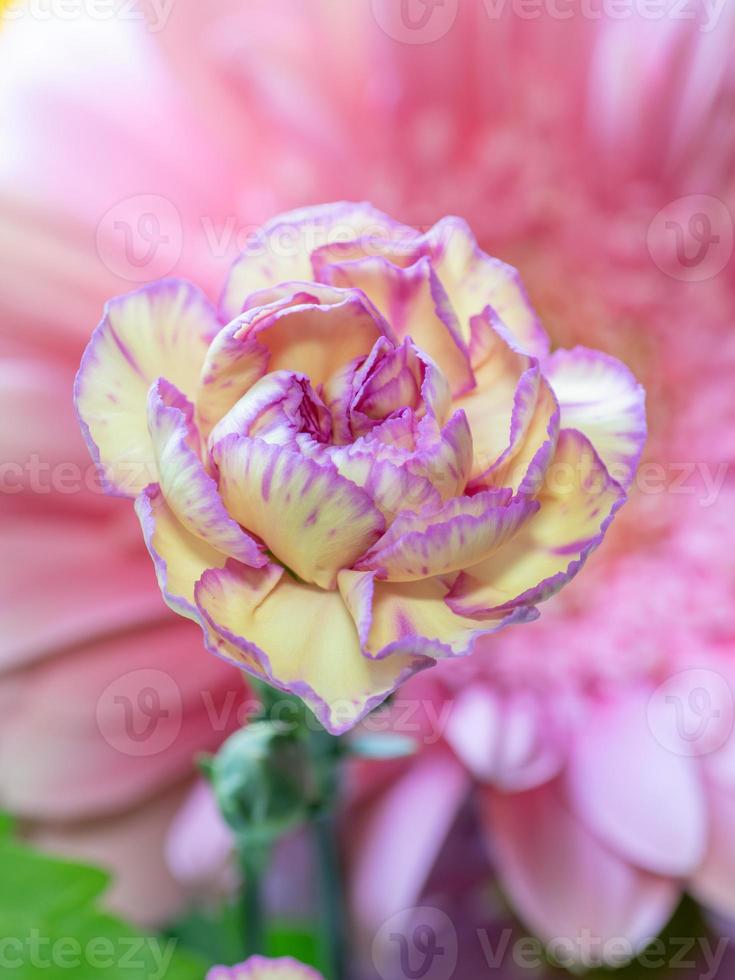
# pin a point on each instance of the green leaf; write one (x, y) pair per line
(52, 925)
(298, 941)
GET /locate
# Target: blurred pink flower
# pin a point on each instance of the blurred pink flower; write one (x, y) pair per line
(561, 140)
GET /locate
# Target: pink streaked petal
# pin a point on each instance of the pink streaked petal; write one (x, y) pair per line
(461, 534)
(563, 882)
(620, 778)
(443, 457)
(311, 328)
(342, 389)
(301, 639)
(474, 280)
(358, 590)
(411, 520)
(163, 329)
(179, 557)
(415, 305)
(282, 249)
(187, 488)
(391, 487)
(501, 408)
(413, 617)
(396, 438)
(312, 519)
(232, 366)
(435, 391)
(600, 397)
(578, 501)
(394, 383)
(276, 409)
(713, 882)
(523, 467)
(399, 836)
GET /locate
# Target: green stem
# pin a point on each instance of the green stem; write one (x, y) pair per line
(332, 900)
(253, 919)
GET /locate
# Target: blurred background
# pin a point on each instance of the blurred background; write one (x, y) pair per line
(572, 793)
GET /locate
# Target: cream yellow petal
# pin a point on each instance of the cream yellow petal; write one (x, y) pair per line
(392, 617)
(599, 396)
(179, 557)
(159, 331)
(282, 249)
(190, 491)
(304, 641)
(474, 280)
(415, 305)
(311, 518)
(578, 501)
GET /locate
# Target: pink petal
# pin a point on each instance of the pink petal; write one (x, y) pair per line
(392, 488)
(642, 799)
(130, 845)
(277, 408)
(500, 408)
(505, 740)
(414, 618)
(443, 457)
(59, 589)
(713, 882)
(310, 328)
(398, 837)
(200, 846)
(117, 719)
(260, 968)
(564, 883)
(474, 281)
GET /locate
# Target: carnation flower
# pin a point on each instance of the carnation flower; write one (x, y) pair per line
(260, 968)
(366, 460)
